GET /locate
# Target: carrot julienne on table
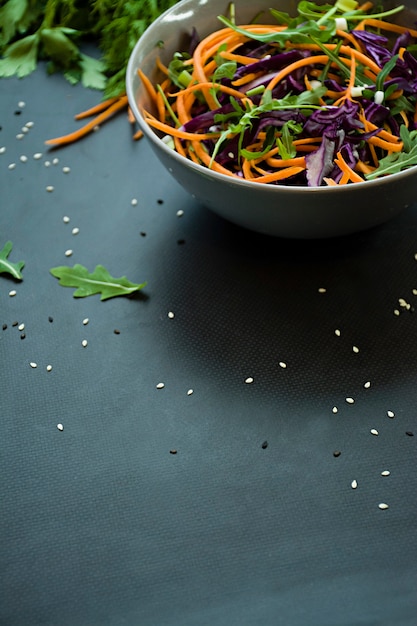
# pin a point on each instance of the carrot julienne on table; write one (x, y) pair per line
(102, 112)
(325, 98)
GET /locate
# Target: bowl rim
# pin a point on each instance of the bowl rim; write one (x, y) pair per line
(155, 139)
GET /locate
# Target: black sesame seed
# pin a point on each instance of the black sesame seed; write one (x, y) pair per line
(173, 452)
(17, 112)
(409, 433)
(23, 336)
(160, 201)
(50, 319)
(142, 233)
(4, 326)
(116, 331)
(15, 324)
(336, 453)
(264, 445)
(181, 242)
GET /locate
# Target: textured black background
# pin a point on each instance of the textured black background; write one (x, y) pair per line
(101, 524)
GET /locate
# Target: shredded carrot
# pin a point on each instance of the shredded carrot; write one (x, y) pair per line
(150, 89)
(347, 170)
(279, 175)
(366, 6)
(330, 182)
(175, 132)
(389, 26)
(121, 103)
(98, 108)
(130, 115)
(138, 135)
(163, 68)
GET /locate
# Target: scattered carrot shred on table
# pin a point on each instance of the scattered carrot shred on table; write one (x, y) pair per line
(103, 112)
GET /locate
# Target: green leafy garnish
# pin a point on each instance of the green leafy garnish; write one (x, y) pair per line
(398, 161)
(306, 101)
(54, 30)
(6, 266)
(99, 281)
(296, 32)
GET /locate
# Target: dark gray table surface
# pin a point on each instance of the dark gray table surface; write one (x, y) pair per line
(100, 523)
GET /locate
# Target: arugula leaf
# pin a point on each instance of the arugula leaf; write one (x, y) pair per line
(98, 281)
(287, 149)
(6, 266)
(299, 33)
(398, 161)
(311, 10)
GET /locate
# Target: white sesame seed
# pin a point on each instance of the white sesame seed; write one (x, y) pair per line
(391, 414)
(249, 380)
(30, 124)
(367, 384)
(374, 431)
(85, 321)
(49, 368)
(75, 231)
(21, 104)
(322, 290)
(385, 473)
(335, 409)
(355, 349)
(282, 364)
(66, 219)
(415, 256)
(55, 161)
(350, 400)
(190, 392)
(383, 506)
(37, 156)
(354, 484)
(180, 213)
(33, 364)
(2, 149)
(84, 343)
(96, 128)
(396, 312)
(12, 166)
(12, 293)
(414, 292)
(230, 155)
(60, 427)
(49, 188)
(337, 332)
(21, 327)
(19, 136)
(47, 163)
(160, 385)
(133, 202)
(66, 169)
(25, 129)
(171, 315)
(23, 158)
(68, 252)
